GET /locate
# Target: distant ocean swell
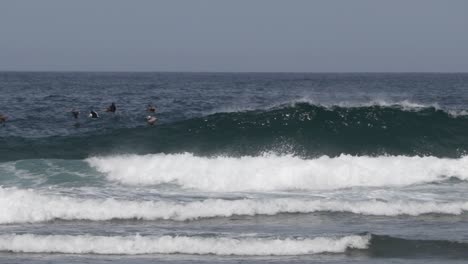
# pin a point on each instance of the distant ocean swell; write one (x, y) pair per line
(302, 129)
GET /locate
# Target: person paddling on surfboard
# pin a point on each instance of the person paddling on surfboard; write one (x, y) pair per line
(151, 120)
(3, 119)
(75, 113)
(93, 114)
(151, 108)
(112, 108)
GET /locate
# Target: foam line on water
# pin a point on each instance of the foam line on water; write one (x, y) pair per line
(131, 245)
(273, 172)
(20, 206)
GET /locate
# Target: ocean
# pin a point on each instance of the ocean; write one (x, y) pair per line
(240, 168)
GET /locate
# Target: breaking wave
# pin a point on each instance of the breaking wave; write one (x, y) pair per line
(132, 245)
(20, 206)
(366, 244)
(273, 172)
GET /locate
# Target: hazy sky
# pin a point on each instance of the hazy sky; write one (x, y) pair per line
(236, 35)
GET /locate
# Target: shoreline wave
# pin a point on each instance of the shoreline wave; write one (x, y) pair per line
(132, 245)
(371, 245)
(28, 206)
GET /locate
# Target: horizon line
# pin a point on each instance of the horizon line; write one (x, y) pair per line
(235, 72)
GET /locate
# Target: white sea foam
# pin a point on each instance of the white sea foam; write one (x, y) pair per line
(457, 113)
(406, 105)
(272, 172)
(131, 245)
(19, 206)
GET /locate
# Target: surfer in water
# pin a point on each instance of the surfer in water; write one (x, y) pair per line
(151, 120)
(151, 108)
(93, 114)
(75, 113)
(3, 119)
(112, 108)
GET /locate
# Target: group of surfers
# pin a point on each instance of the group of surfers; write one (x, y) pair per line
(150, 119)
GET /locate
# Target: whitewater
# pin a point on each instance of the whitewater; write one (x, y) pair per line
(186, 245)
(273, 172)
(251, 168)
(27, 206)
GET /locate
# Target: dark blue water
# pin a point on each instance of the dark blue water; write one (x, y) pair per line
(296, 167)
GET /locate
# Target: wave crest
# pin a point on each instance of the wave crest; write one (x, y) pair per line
(272, 172)
(304, 129)
(131, 245)
(20, 206)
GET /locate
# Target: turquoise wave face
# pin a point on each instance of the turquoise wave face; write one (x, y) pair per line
(265, 173)
(38, 173)
(303, 129)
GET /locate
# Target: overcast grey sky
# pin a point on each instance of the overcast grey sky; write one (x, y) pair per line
(236, 35)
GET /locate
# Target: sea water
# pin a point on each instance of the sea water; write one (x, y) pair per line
(241, 167)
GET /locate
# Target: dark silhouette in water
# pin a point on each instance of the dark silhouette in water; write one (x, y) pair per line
(112, 108)
(93, 114)
(151, 108)
(3, 119)
(75, 113)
